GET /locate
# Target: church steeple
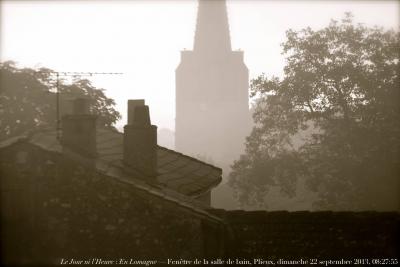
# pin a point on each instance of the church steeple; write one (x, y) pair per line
(212, 103)
(212, 27)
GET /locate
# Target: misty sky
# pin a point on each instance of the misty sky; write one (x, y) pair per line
(143, 39)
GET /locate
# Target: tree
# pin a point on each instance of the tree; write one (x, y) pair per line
(332, 121)
(28, 100)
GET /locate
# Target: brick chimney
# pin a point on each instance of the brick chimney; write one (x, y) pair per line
(140, 140)
(79, 129)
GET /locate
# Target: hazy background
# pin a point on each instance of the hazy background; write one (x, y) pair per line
(143, 40)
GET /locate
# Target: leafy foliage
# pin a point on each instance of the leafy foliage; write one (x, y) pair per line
(28, 100)
(331, 122)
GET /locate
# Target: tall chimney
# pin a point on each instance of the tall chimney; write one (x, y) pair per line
(79, 129)
(140, 140)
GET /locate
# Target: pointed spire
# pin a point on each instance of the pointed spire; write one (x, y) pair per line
(212, 28)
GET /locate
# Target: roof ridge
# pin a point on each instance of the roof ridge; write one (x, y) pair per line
(192, 158)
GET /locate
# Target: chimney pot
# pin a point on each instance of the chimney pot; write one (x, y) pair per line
(132, 104)
(142, 116)
(140, 141)
(81, 106)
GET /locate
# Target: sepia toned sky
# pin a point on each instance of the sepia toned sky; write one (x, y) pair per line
(143, 39)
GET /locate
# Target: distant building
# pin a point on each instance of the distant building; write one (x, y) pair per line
(212, 112)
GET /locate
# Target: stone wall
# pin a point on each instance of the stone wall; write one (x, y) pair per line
(307, 235)
(54, 208)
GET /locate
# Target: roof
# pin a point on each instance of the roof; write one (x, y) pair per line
(173, 166)
(176, 171)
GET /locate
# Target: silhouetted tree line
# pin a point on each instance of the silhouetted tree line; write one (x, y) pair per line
(28, 99)
(332, 121)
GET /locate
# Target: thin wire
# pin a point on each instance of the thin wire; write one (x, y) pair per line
(72, 73)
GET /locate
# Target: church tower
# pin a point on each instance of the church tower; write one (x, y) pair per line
(212, 112)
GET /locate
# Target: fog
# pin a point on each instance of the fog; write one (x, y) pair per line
(193, 64)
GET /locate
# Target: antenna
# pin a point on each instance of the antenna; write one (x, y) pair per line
(69, 74)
